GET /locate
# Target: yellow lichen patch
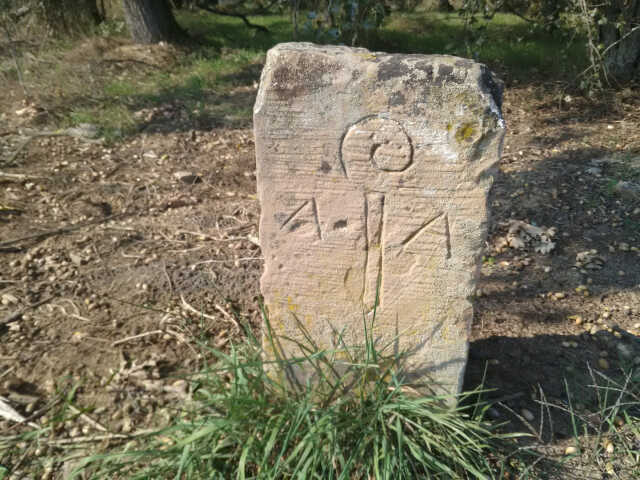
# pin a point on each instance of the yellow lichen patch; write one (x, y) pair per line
(292, 306)
(308, 320)
(367, 55)
(465, 132)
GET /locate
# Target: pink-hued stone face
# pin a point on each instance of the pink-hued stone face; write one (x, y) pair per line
(373, 182)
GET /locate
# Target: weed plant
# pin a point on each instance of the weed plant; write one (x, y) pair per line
(363, 422)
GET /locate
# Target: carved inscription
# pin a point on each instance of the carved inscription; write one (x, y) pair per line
(374, 226)
(307, 212)
(371, 199)
(436, 226)
(380, 141)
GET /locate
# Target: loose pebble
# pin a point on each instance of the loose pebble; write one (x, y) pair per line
(571, 450)
(527, 415)
(493, 413)
(577, 319)
(609, 468)
(8, 299)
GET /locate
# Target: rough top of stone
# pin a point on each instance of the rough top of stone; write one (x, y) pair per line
(316, 64)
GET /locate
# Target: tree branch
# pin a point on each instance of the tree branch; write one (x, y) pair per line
(241, 16)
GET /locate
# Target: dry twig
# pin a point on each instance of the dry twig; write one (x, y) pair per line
(135, 337)
(16, 315)
(228, 315)
(86, 418)
(58, 231)
(97, 438)
(20, 176)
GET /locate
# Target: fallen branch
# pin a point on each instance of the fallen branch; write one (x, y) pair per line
(57, 231)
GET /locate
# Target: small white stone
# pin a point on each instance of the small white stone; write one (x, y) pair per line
(527, 415)
(571, 450)
(8, 299)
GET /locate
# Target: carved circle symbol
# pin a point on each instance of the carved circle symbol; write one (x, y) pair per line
(381, 141)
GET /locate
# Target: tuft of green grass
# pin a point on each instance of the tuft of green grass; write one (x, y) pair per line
(358, 419)
(605, 436)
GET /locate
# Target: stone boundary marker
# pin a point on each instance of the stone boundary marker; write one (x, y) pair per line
(373, 176)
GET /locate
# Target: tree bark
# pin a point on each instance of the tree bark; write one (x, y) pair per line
(70, 16)
(151, 21)
(445, 6)
(622, 44)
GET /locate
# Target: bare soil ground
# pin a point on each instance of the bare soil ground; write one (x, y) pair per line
(119, 260)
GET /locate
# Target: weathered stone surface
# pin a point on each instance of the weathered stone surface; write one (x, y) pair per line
(373, 170)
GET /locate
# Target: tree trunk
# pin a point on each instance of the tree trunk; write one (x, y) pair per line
(151, 21)
(70, 16)
(445, 6)
(622, 44)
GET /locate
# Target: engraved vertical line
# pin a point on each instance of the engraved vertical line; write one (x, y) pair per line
(317, 217)
(379, 280)
(366, 250)
(448, 234)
